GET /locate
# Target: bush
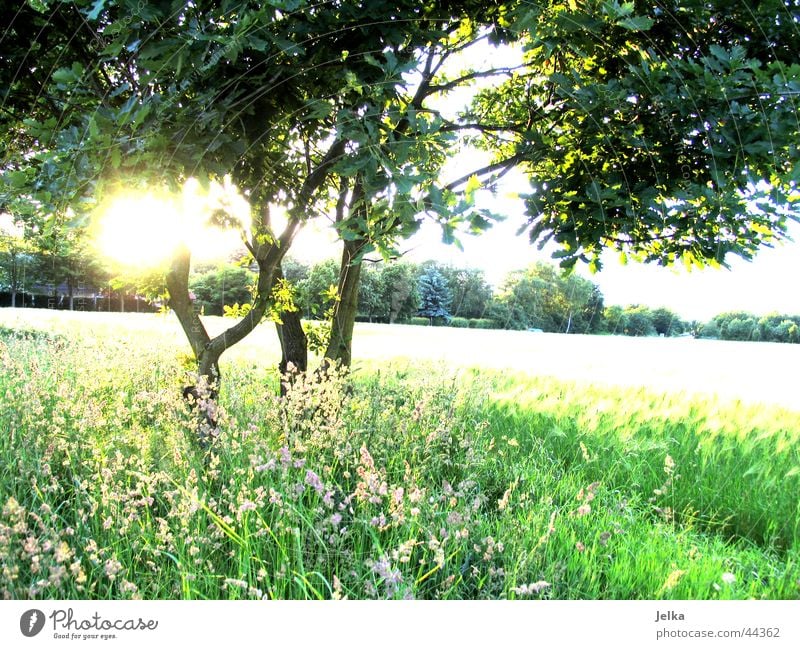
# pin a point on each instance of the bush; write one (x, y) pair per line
(460, 323)
(419, 321)
(483, 323)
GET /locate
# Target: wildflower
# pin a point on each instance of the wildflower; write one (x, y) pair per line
(62, 553)
(391, 576)
(583, 510)
(337, 589)
(604, 538)
(669, 465)
(336, 519)
(585, 453)
(728, 577)
(78, 573)
(126, 586)
(112, 568)
(531, 589)
(57, 573)
(269, 465)
(108, 523)
(239, 583)
(580, 547)
(312, 480)
(12, 508)
(454, 518)
(275, 497)
(247, 505)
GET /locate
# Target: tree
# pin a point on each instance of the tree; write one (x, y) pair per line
(639, 321)
(543, 297)
(401, 294)
(470, 291)
(434, 296)
(314, 292)
(614, 317)
(652, 128)
(641, 127)
(15, 254)
(222, 286)
(152, 91)
(667, 322)
(371, 302)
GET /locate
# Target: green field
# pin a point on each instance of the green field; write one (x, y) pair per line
(456, 465)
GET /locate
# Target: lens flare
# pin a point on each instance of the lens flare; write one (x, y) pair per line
(144, 229)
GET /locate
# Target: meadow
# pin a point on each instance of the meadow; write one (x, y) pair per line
(449, 464)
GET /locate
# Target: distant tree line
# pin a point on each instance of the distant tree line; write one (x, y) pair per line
(539, 298)
(740, 325)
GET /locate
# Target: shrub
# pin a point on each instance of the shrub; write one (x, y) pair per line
(419, 321)
(483, 323)
(460, 323)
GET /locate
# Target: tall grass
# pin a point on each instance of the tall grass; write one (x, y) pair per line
(392, 483)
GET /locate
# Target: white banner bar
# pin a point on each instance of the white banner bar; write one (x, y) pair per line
(399, 624)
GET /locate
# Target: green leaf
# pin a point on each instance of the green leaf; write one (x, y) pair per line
(637, 23)
(473, 184)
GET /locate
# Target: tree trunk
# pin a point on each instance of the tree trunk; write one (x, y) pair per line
(340, 346)
(14, 280)
(294, 344)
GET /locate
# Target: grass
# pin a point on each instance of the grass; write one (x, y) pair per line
(402, 480)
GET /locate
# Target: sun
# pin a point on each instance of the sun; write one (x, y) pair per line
(140, 230)
(145, 229)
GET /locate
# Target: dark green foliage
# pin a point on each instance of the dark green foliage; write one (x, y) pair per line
(740, 325)
(315, 290)
(459, 323)
(482, 323)
(400, 290)
(471, 293)
(667, 322)
(639, 321)
(543, 297)
(222, 286)
(419, 321)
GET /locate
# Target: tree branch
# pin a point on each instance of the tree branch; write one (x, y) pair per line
(506, 165)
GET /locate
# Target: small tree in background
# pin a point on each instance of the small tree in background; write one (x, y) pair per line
(434, 296)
